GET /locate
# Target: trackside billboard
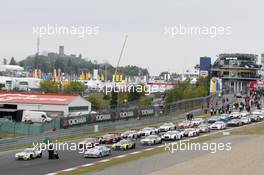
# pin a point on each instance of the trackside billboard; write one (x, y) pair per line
(106, 116)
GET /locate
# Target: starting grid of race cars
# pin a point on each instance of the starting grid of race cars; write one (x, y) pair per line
(97, 147)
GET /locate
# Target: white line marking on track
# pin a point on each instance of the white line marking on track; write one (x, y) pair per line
(149, 149)
(104, 160)
(86, 165)
(121, 156)
(51, 173)
(135, 152)
(160, 146)
(69, 169)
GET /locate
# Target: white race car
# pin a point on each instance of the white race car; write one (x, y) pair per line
(197, 121)
(97, 152)
(258, 113)
(235, 115)
(148, 131)
(167, 127)
(244, 113)
(151, 140)
(172, 135)
(245, 120)
(29, 153)
(218, 125)
(131, 134)
(191, 132)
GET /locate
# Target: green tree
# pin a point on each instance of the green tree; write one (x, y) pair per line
(185, 90)
(74, 87)
(49, 86)
(98, 102)
(145, 101)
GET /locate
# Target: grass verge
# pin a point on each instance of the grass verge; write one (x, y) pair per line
(250, 130)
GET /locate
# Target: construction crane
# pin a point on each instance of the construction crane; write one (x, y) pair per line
(120, 56)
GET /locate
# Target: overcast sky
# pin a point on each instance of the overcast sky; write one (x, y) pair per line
(144, 21)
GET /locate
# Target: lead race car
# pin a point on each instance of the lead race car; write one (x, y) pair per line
(29, 153)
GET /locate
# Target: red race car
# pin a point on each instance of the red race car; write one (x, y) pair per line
(110, 139)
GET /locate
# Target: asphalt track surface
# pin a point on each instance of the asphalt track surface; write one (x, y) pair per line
(164, 160)
(10, 166)
(68, 159)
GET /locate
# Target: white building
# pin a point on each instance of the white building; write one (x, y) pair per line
(20, 83)
(56, 105)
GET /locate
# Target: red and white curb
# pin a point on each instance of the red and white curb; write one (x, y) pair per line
(147, 149)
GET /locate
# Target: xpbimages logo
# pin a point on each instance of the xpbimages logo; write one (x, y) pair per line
(79, 31)
(186, 145)
(195, 30)
(60, 146)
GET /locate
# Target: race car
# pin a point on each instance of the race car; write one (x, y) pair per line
(29, 153)
(151, 140)
(131, 134)
(235, 115)
(167, 127)
(203, 128)
(88, 143)
(97, 152)
(224, 117)
(254, 118)
(191, 132)
(245, 120)
(218, 125)
(172, 135)
(186, 124)
(213, 119)
(148, 131)
(197, 121)
(258, 113)
(124, 144)
(244, 113)
(234, 122)
(110, 139)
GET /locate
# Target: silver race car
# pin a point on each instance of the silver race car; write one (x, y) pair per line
(97, 152)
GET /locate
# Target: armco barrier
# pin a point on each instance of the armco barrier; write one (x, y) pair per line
(90, 128)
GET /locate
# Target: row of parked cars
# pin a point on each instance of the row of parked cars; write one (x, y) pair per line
(103, 146)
